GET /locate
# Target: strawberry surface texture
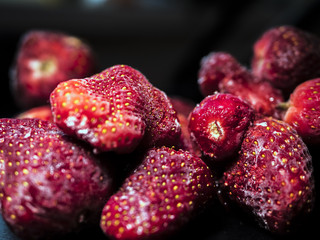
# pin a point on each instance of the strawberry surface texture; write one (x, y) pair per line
(162, 194)
(273, 176)
(50, 184)
(286, 56)
(304, 111)
(115, 110)
(218, 125)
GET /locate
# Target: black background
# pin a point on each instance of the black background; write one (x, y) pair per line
(165, 40)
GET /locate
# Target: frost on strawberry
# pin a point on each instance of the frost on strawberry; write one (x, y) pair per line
(260, 94)
(218, 125)
(273, 177)
(115, 110)
(50, 184)
(163, 193)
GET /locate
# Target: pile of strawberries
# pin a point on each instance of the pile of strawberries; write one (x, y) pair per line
(112, 149)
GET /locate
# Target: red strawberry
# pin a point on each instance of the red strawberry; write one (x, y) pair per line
(42, 112)
(213, 68)
(115, 110)
(182, 105)
(183, 108)
(50, 184)
(218, 125)
(261, 95)
(163, 193)
(286, 56)
(304, 110)
(273, 177)
(44, 59)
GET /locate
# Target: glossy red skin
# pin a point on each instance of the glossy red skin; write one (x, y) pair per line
(162, 194)
(115, 110)
(231, 117)
(50, 184)
(42, 112)
(304, 111)
(273, 177)
(63, 57)
(286, 56)
(259, 94)
(213, 68)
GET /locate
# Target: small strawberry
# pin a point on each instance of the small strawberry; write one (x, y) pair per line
(115, 110)
(218, 125)
(260, 94)
(273, 177)
(286, 56)
(50, 184)
(304, 111)
(45, 58)
(213, 68)
(163, 193)
(42, 112)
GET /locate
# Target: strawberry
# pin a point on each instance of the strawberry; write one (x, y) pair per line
(50, 183)
(260, 94)
(286, 56)
(183, 108)
(218, 125)
(273, 176)
(304, 111)
(45, 58)
(213, 68)
(116, 110)
(41, 112)
(163, 193)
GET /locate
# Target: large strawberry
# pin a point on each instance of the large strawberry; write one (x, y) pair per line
(45, 58)
(163, 193)
(304, 110)
(286, 56)
(50, 184)
(273, 176)
(218, 125)
(115, 110)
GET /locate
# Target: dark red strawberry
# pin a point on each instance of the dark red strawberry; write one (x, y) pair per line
(44, 59)
(50, 184)
(286, 56)
(213, 68)
(273, 177)
(115, 110)
(218, 125)
(42, 112)
(261, 95)
(304, 111)
(182, 105)
(183, 108)
(163, 193)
